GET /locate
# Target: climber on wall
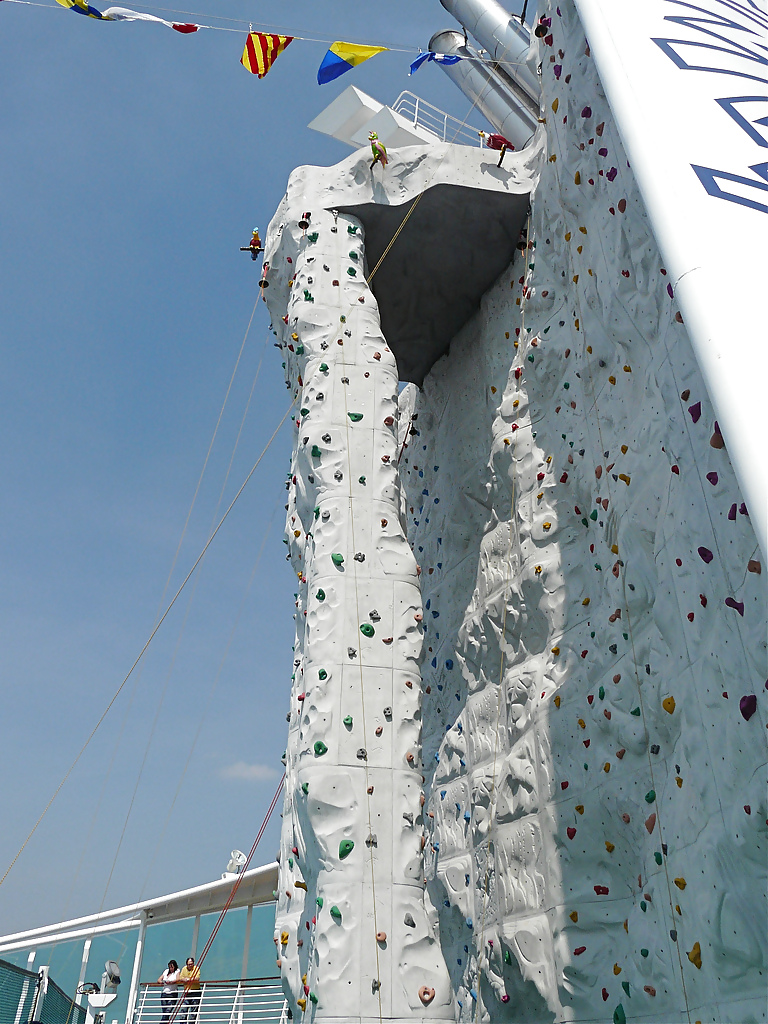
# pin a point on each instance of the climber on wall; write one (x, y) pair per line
(378, 149)
(254, 248)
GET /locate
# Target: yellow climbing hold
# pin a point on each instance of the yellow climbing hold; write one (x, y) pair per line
(574, 916)
(680, 883)
(283, 938)
(679, 782)
(555, 105)
(506, 334)
(575, 278)
(537, 570)
(616, 968)
(556, 651)
(695, 956)
(547, 526)
(609, 846)
(589, 347)
(615, 549)
(612, 379)
(583, 230)
(302, 1002)
(576, 323)
(557, 700)
(579, 808)
(668, 704)
(568, 236)
(553, 158)
(627, 368)
(625, 478)
(607, 767)
(585, 602)
(624, 449)
(582, 724)
(577, 178)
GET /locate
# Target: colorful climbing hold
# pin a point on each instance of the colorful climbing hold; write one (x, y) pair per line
(335, 913)
(337, 559)
(320, 748)
(748, 706)
(367, 629)
(695, 956)
(669, 705)
(346, 846)
(355, 416)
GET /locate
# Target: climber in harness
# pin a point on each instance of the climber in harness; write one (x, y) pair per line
(496, 141)
(255, 245)
(378, 149)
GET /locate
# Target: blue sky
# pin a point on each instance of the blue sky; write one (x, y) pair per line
(135, 162)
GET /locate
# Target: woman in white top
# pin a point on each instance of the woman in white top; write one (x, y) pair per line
(169, 979)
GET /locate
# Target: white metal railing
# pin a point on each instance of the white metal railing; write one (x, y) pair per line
(426, 116)
(250, 1001)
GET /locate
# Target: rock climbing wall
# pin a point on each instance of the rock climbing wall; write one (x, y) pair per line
(355, 932)
(594, 675)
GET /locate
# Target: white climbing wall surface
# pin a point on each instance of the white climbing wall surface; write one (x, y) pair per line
(587, 698)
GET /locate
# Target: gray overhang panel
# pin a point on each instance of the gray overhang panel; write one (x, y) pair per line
(454, 246)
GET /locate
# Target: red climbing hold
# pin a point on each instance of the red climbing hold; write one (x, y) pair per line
(601, 890)
(676, 470)
(570, 831)
(579, 950)
(605, 994)
(564, 785)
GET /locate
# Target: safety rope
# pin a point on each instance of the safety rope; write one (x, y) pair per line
(152, 635)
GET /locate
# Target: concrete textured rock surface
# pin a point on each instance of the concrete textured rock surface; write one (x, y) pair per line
(576, 669)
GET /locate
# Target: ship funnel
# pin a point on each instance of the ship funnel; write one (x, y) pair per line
(489, 93)
(504, 38)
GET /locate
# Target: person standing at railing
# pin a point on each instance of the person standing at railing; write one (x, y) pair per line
(169, 979)
(190, 977)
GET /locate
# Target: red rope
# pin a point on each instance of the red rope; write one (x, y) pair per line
(231, 896)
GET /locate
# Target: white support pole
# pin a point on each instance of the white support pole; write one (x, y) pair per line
(138, 956)
(247, 942)
(195, 937)
(24, 989)
(83, 968)
(42, 988)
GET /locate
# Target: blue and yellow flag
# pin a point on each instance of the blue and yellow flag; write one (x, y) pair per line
(81, 7)
(342, 57)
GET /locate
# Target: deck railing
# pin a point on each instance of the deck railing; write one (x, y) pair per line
(436, 121)
(250, 1001)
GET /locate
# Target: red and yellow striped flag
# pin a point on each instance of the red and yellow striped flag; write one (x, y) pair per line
(261, 51)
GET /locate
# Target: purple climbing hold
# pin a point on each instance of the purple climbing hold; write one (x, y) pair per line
(586, 112)
(695, 410)
(602, 151)
(558, 70)
(706, 555)
(732, 512)
(748, 706)
(670, 292)
(743, 509)
(713, 478)
(738, 606)
(610, 175)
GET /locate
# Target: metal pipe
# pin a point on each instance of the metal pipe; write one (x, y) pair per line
(488, 93)
(505, 39)
(83, 969)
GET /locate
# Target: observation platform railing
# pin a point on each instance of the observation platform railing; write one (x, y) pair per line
(436, 121)
(249, 1001)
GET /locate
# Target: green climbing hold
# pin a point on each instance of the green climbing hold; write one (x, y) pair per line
(322, 674)
(585, 521)
(635, 712)
(507, 957)
(337, 559)
(650, 796)
(601, 693)
(323, 369)
(361, 480)
(367, 629)
(351, 271)
(319, 902)
(346, 846)
(352, 229)
(299, 350)
(316, 511)
(342, 319)
(335, 913)
(312, 997)
(657, 857)
(347, 720)
(625, 986)
(320, 748)
(353, 256)
(355, 416)
(304, 412)
(305, 788)
(316, 453)
(313, 237)
(290, 862)
(619, 1017)
(643, 906)
(644, 952)
(593, 515)
(530, 359)
(566, 385)
(321, 595)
